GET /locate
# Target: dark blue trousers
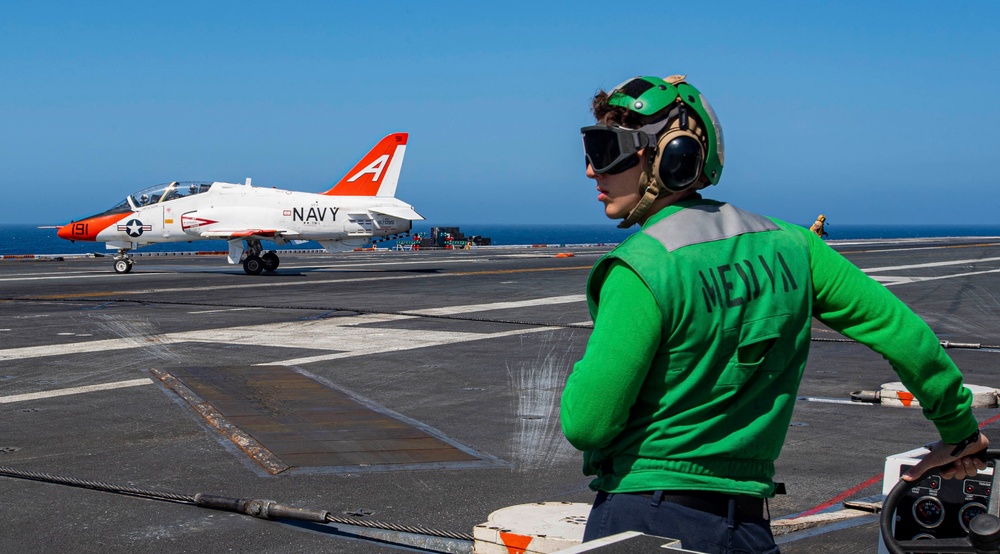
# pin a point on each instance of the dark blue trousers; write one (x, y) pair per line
(697, 530)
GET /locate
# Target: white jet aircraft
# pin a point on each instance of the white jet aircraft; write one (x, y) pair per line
(358, 208)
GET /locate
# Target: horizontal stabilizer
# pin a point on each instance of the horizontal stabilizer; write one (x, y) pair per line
(402, 212)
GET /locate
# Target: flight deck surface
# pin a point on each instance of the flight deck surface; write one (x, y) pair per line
(415, 388)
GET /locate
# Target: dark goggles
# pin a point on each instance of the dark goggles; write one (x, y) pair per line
(612, 150)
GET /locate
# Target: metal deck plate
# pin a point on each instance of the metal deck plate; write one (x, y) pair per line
(289, 422)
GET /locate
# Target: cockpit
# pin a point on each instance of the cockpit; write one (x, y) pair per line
(158, 194)
(166, 192)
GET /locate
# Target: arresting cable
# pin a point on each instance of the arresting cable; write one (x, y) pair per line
(264, 509)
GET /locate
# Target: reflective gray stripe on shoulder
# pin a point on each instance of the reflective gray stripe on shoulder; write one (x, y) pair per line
(707, 223)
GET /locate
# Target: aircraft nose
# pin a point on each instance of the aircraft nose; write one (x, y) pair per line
(66, 231)
(85, 229)
(90, 228)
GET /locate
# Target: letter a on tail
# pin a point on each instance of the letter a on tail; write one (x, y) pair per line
(377, 173)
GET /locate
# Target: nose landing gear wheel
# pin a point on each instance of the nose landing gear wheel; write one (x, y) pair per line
(984, 528)
(253, 265)
(123, 266)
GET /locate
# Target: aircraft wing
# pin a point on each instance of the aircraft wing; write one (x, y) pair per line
(404, 212)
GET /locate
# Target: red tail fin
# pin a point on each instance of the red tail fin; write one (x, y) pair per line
(377, 173)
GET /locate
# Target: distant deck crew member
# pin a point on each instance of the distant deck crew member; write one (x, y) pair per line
(818, 227)
(702, 325)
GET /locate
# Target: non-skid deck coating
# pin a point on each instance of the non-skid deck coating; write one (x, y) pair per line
(286, 421)
(471, 347)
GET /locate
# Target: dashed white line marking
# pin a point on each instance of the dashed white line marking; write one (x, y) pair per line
(227, 310)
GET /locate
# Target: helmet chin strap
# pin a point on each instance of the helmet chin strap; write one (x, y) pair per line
(651, 191)
(647, 183)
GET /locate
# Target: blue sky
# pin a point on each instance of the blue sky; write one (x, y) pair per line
(870, 112)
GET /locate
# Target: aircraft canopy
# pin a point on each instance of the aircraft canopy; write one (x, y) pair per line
(168, 191)
(157, 193)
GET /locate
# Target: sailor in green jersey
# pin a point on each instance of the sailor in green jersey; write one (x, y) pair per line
(701, 331)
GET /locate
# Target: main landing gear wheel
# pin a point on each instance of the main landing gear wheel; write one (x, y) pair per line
(253, 265)
(270, 261)
(984, 529)
(123, 266)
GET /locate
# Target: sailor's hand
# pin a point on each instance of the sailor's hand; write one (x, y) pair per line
(962, 466)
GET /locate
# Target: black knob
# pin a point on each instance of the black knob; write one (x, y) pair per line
(984, 533)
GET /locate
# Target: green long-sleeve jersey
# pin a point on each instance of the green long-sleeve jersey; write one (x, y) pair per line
(702, 326)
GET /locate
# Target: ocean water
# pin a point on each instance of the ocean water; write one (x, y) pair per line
(30, 239)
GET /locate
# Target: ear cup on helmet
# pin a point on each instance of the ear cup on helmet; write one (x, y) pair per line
(679, 160)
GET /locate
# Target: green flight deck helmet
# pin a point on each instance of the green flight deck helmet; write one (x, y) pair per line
(679, 121)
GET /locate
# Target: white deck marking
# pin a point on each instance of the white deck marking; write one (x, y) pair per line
(343, 337)
(64, 349)
(259, 284)
(60, 274)
(360, 265)
(891, 280)
(76, 276)
(227, 310)
(363, 344)
(863, 242)
(452, 310)
(74, 390)
(930, 264)
(319, 267)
